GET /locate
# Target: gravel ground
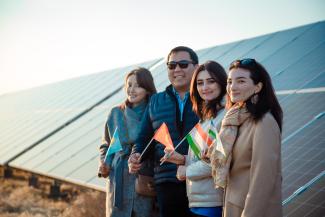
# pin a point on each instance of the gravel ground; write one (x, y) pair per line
(17, 199)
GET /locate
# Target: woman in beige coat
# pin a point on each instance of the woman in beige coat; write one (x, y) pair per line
(247, 162)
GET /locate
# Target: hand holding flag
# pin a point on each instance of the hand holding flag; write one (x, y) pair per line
(161, 135)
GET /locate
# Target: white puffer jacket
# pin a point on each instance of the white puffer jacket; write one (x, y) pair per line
(199, 183)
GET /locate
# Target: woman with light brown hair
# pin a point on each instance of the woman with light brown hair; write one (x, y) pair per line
(122, 200)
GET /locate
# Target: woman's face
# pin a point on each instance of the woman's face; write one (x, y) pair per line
(135, 93)
(207, 87)
(240, 86)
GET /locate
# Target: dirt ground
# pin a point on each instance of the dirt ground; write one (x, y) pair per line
(17, 199)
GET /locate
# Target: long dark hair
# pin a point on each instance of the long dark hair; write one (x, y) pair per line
(267, 100)
(144, 80)
(207, 110)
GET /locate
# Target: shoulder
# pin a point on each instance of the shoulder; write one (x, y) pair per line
(115, 110)
(268, 120)
(158, 97)
(268, 124)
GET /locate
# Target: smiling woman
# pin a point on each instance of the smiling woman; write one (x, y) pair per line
(122, 200)
(248, 162)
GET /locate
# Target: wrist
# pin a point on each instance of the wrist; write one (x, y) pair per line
(182, 160)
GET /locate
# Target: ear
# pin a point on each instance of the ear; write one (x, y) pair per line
(258, 87)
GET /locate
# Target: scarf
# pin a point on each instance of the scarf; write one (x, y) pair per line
(127, 121)
(221, 153)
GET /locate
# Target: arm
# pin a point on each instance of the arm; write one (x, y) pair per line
(103, 169)
(266, 154)
(144, 136)
(198, 170)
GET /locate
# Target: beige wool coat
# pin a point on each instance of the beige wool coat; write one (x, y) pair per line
(254, 183)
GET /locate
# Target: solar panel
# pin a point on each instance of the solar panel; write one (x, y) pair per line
(296, 49)
(311, 68)
(309, 202)
(299, 109)
(72, 154)
(303, 155)
(216, 52)
(66, 101)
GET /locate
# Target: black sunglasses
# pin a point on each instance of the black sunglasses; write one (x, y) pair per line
(183, 64)
(243, 62)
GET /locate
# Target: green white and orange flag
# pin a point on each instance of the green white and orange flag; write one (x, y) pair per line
(201, 137)
(162, 135)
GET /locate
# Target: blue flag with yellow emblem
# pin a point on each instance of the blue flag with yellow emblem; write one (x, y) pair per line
(114, 146)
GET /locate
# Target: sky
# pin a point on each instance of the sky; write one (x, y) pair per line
(45, 41)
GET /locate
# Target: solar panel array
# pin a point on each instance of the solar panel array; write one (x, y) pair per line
(64, 121)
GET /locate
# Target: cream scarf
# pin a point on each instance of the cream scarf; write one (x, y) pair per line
(221, 153)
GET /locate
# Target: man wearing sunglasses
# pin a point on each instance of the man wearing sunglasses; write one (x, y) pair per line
(174, 108)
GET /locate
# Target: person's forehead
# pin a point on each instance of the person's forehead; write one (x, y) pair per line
(239, 72)
(203, 75)
(179, 55)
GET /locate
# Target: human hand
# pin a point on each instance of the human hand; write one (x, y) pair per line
(134, 163)
(204, 155)
(173, 156)
(181, 173)
(103, 170)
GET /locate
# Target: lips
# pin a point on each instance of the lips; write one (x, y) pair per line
(179, 76)
(234, 94)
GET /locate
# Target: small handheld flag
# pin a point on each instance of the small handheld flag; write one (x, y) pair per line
(162, 135)
(114, 146)
(200, 137)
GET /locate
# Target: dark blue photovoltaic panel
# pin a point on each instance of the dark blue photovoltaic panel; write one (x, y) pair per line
(310, 69)
(298, 109)
(317, 82)
(309, 203)
(296, 49)
(242, 49)
(303, 157)
(276, 42)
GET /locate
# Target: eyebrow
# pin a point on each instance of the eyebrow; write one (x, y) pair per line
(237, 78)
(200, 79)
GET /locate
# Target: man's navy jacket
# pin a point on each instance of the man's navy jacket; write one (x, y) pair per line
(163, 107)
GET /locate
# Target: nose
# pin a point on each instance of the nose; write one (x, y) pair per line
(233, 86)
(131, 88)
(178, 68)
(205, 86)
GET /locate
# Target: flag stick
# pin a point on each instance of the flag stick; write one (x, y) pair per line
(145, 148)
(169, 154)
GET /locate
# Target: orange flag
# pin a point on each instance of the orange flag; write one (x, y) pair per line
(162, 135)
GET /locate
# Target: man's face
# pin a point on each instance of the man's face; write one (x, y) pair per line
(181, 77)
